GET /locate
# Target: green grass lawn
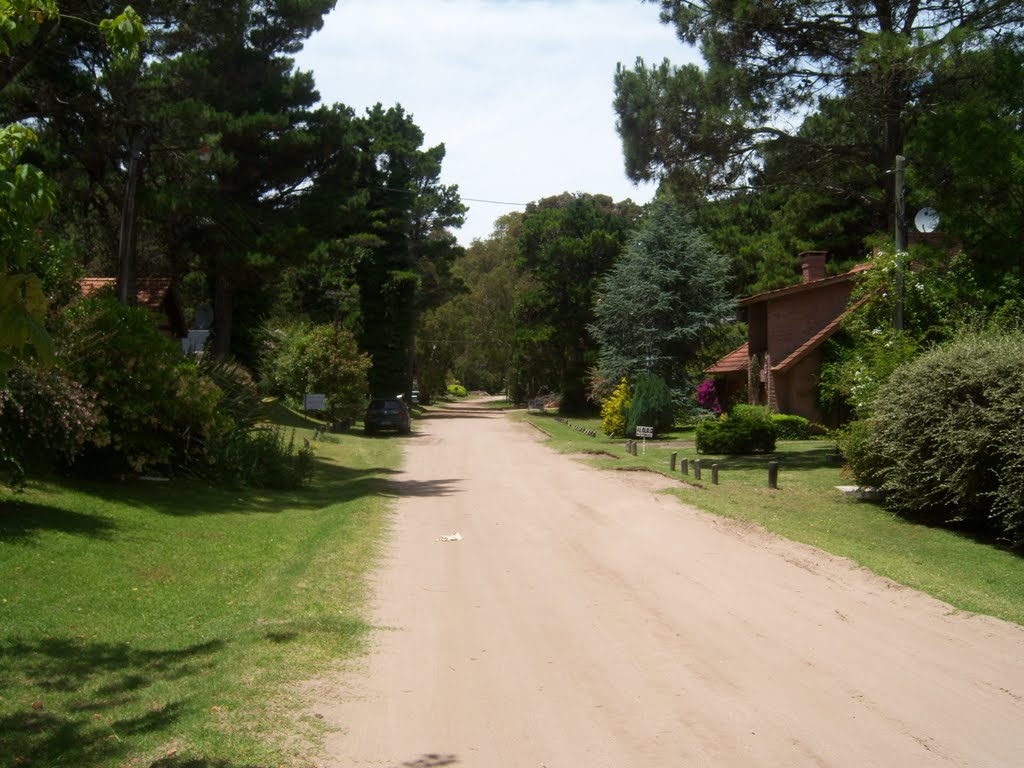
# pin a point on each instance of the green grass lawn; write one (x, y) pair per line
(806, 507)
(160, 624)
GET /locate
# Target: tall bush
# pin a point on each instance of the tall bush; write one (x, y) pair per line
(652, 405)
(946, 437)
(707, 397)
(157, 410)
(321, 359)
(615, 411)
(45, 418)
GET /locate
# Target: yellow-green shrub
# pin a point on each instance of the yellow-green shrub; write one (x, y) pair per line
(615, 410)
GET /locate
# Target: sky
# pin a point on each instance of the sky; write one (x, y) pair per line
(519, 91)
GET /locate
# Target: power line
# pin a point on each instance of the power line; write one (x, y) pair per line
(469, 199)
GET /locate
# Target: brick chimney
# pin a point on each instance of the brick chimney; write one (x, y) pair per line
(813, 265)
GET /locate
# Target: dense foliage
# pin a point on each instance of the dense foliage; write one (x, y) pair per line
(615, 410)
(45, 418)
(300, 359)
(940, 295)
(157, 411)
(565, 246)
(122, 400)
(788, 132)
(945, 441)
(651, 405)
(660, 299)
(789, 426)
(471, 336)
(744, 429)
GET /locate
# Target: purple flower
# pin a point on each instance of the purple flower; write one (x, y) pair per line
(707, 397)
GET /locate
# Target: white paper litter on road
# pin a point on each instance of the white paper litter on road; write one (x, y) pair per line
(450, 537)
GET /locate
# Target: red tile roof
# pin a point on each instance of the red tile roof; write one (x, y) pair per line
(150, 292)
(735, 362)
(154, 293)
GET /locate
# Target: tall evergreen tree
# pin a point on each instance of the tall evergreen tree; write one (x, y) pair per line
(409, 248)
(659, 300)
(566, 244)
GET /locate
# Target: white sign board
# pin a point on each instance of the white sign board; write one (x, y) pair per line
(314, 402)
(645, 432)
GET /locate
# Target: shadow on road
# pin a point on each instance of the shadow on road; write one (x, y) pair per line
(457, 413)
(429, 761)
(439, 487)
(199, 762)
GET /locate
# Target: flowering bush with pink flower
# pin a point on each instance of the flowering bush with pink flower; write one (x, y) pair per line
(707, 397)
(45, 417)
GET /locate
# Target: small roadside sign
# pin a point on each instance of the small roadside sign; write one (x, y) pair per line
(645, 432)
(314, 402)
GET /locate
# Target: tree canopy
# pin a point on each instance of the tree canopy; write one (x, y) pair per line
(663, 296)
(788, 133)
(565, 244)
(768, 65)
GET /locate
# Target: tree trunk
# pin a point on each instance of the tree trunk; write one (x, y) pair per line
(126, 236)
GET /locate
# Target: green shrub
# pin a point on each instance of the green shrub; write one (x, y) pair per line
(157, 410)
(240, 399)
(45, 418)
(789, 426)
(457, 390)
(258, 458)
(615, 410)
(947, 437)
(854, 443)
(745, 429)
(651, 405)
(304, 359)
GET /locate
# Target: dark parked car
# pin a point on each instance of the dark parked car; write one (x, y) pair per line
(388, 413)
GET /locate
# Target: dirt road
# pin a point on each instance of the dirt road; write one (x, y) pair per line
(584, 621)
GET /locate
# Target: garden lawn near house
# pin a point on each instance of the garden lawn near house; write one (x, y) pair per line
(968, 574)
(162, 621)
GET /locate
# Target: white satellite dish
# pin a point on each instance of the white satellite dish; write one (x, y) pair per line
(927, 220)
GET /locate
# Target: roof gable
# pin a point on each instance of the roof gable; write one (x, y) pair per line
(790, 290)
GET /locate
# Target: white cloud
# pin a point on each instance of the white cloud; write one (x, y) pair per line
(519, 91)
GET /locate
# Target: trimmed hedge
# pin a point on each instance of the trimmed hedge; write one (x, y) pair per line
(789, 426)
(745, 429)
(945, 442)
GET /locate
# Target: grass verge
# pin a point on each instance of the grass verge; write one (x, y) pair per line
(969, 575)
(159, 624)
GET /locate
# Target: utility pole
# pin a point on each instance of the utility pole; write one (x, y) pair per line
(901, 236)
(127, 235)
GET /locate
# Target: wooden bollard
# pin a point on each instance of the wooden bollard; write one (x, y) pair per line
(634, 447)
(714, 474)
(672, 462)
(773, 474)
(696, 469)
(684, 466)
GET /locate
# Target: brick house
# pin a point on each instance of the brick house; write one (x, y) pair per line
(154, 293)
(785, 331)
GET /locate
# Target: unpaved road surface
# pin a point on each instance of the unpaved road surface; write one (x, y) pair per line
(585, 621)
